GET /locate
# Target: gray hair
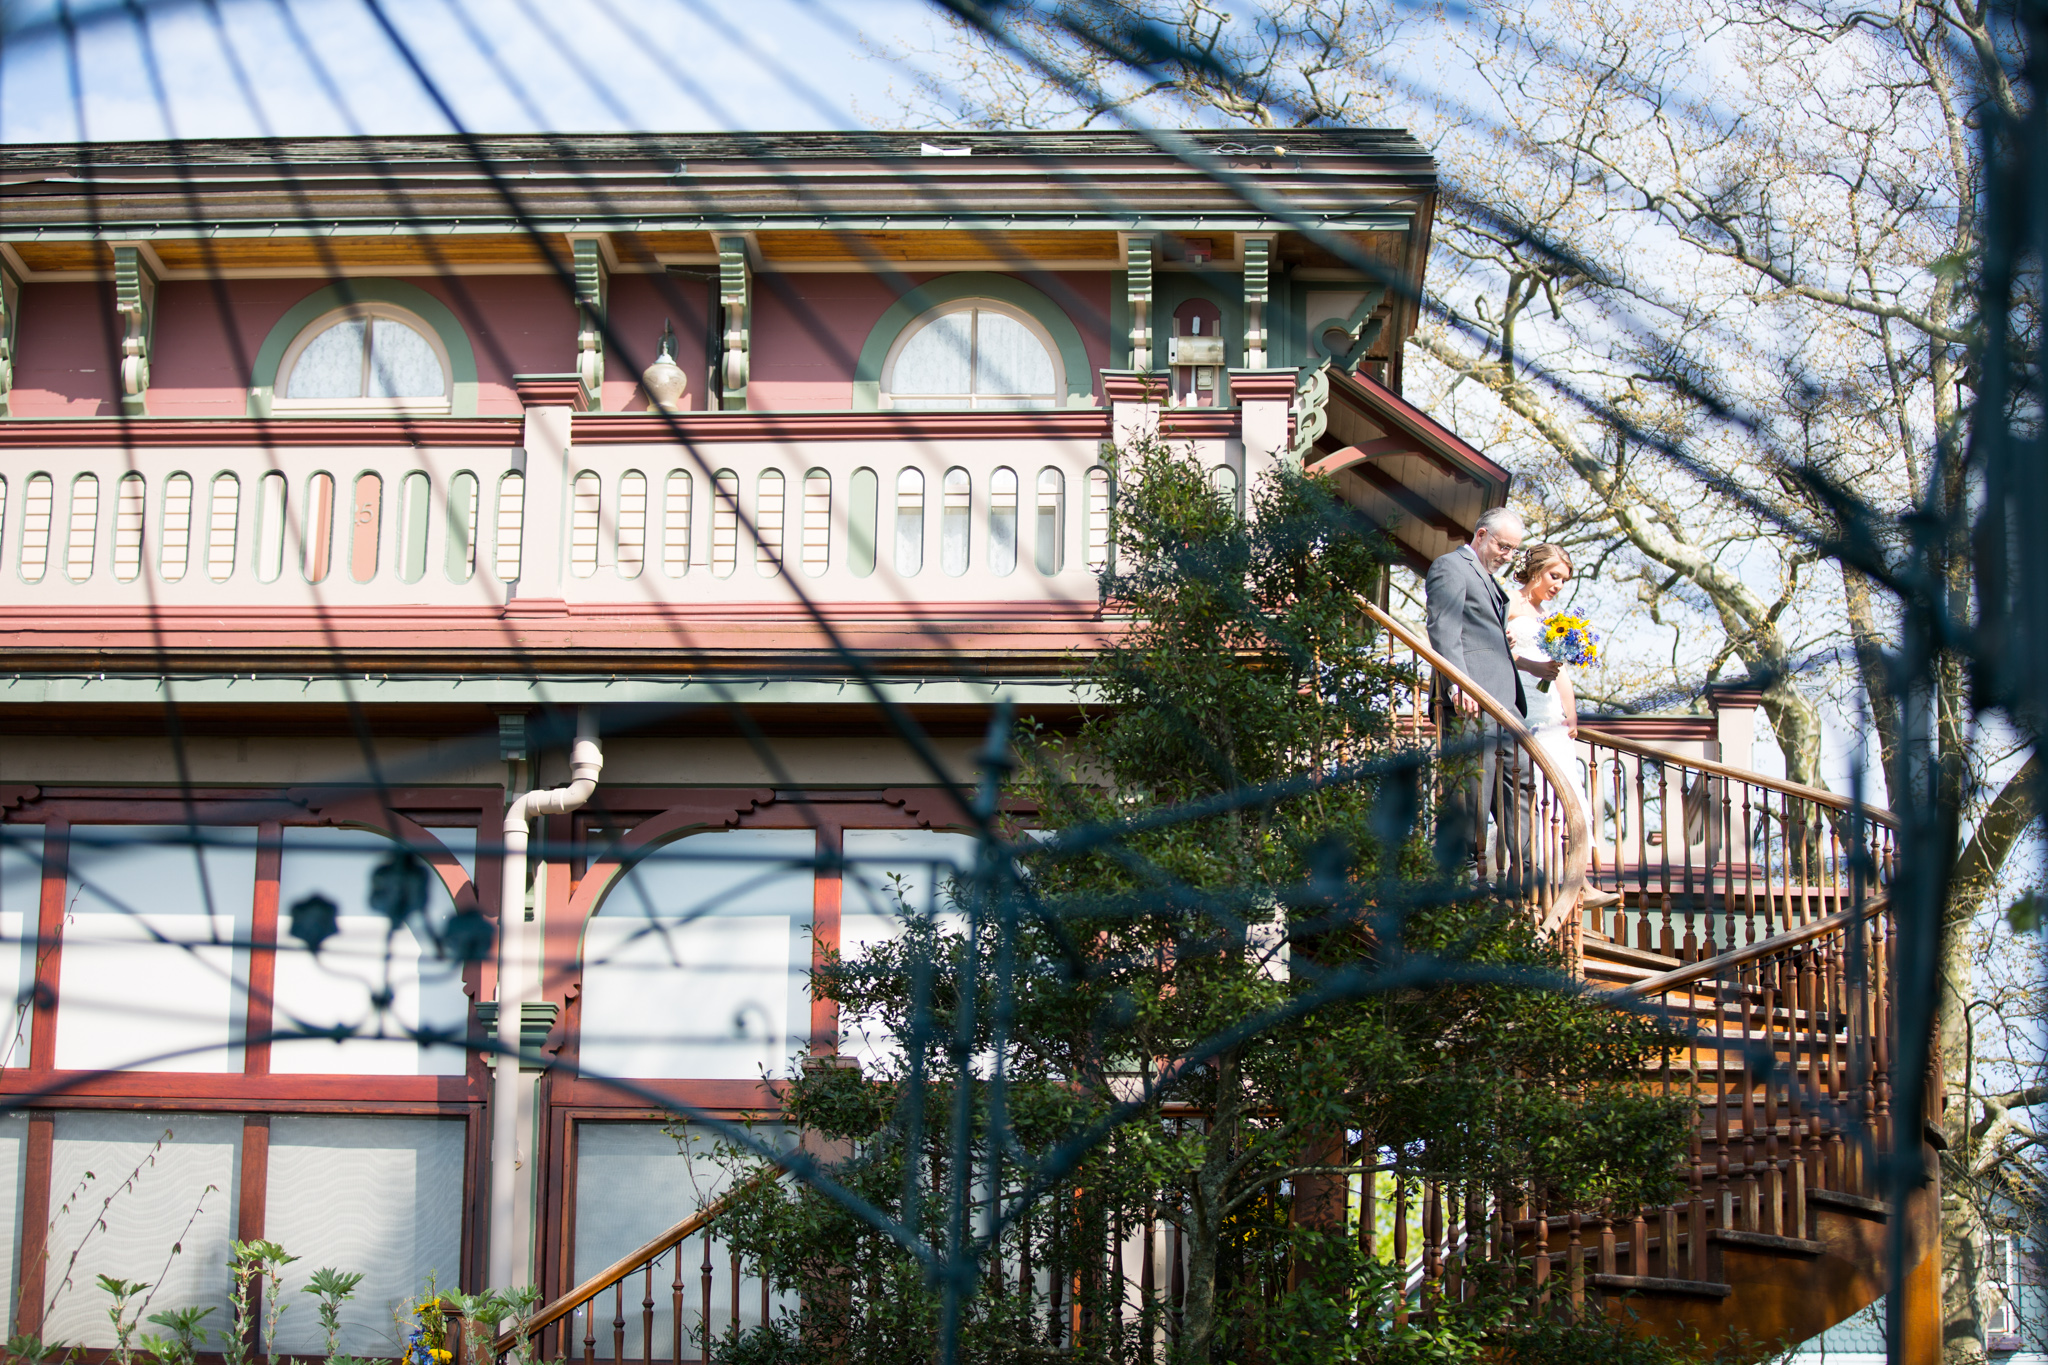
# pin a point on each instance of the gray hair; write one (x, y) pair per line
(1493, 518)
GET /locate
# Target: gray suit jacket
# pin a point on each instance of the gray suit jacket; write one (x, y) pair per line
(1468, 615)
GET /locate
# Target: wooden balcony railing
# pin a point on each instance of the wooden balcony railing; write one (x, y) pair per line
(1009, 519)
(1527, 822)
(1699, 857)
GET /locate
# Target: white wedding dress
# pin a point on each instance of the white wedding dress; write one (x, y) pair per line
(1546, 709)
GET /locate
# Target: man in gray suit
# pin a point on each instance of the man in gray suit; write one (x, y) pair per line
(1468, 613)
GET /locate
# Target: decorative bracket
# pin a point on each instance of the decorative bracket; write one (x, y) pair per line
(1258, 255)
(1363, 329)
(593, 297)
(1138, 288)
(135, 301)
(736, 303)
(10, 311)
(1311, 412)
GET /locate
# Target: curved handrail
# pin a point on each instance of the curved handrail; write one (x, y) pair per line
(1708, 967)
(551, 1313)
(1877, 815)
(1572, 882)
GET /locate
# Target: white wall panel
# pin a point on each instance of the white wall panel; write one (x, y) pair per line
(695, 966)
(380, 1196)
(335, 987)
(150, 978)
(197, 1171)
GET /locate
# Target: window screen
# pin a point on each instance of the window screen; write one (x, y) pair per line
(21, 896)
(149, 978)
(335, 988)
(695, 965)
(400, 1181)
(882, 864)
(92, 1156)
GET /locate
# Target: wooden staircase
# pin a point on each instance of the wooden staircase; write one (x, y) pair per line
(1748, 911)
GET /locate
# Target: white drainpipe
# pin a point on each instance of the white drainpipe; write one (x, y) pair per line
(515, 987)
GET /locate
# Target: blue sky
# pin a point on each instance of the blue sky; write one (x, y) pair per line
(308, 67)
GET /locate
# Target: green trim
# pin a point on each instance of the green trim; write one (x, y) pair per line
(396, 293)
(972, 284)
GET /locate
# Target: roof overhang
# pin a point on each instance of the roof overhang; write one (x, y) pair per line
(1407, 472)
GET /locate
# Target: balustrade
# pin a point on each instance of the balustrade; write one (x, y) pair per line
(1699, 858)
(625, 525)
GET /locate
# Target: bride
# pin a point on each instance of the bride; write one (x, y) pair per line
(1552, 715)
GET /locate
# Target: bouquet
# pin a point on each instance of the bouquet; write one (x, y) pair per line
(1569, 640)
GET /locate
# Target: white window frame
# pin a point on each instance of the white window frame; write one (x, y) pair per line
(1054, 397)
(355, 312)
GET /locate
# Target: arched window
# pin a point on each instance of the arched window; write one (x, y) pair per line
(973, 354)
(370, 356)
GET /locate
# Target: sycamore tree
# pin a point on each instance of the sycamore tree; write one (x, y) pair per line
(1703, 274)
(1220, 976)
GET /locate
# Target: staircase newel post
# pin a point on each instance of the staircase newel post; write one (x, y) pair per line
(1774, 1175)
(1639, 1244)
(1751, 1191)
(1400, 1247)
(1836, 1005)
(1667, 1220)
(1607, 1243)
(1575, 1263)
(1540, 1263)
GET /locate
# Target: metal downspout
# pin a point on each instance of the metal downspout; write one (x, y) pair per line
(515, 986)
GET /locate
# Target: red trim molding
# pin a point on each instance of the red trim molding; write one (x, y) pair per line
(141, 433)
(550, 391)
(1262, 386)
(1186, 423)
(1133, 386)
(642, 428)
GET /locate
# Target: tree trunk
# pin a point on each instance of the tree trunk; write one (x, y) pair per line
(1205, 1230)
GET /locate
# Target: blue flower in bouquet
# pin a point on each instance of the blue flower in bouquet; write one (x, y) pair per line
(1570, 640)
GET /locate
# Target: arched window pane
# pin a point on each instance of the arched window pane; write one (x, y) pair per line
(131, 515)
(725, 523)
(83, 540)
(318, 555)
(695, 966)
(414, 495)
(35, 527)
(460, 556)
(366, 519)
(1052, 521)
(583, 511)
(953, 523)
(223, 523)
(1002, 522)
(270, 499)
(863, 511)
(511, 523)
(1008, 359)
(938, 360)
(909, 522)
(1098, 519)
(402, 364)
(632, 542)
(768, 501)
(175, 545)
(675, 525)
(1224, 480)
(817, 522)
(331, 366)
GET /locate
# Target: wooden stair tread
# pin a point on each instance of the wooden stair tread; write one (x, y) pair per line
(1850, 1203)
(1767, 1241)
(1607, 950)
(1656, 1284)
